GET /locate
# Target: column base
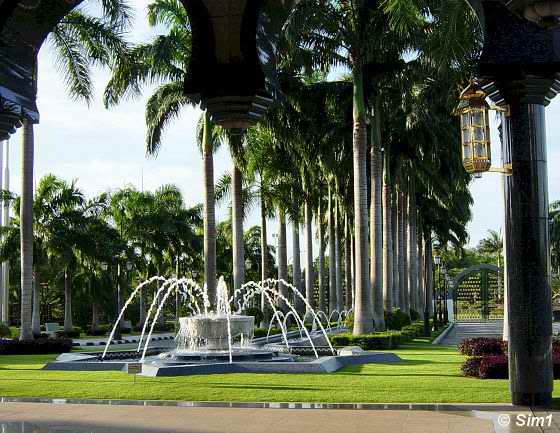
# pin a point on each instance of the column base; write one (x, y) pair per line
(541, 399)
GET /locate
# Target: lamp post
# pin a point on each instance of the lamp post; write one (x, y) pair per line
(443, 295)
(437, 262)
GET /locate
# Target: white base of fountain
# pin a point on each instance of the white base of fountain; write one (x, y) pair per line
(213, 333)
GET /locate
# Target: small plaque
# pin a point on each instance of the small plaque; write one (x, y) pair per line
(134, 368)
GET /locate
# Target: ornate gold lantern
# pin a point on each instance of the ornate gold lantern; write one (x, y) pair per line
(475, 130)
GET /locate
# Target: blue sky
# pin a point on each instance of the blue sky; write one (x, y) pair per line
(104, 149)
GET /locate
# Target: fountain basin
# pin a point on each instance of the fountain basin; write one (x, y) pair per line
(210, 333)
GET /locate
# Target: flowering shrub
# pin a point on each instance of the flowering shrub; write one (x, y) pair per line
(493, 367)
(481, 346)
(471, 367)
(484, 364)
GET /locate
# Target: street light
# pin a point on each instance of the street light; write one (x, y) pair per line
(104, 266)
(129, 266)
(248, 264)
(475, 132)
(475, 129)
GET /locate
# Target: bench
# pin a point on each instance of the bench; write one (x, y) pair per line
(51, 328)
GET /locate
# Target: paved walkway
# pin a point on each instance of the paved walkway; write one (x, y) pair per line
(48, 418)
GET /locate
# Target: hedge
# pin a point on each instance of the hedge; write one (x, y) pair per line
(75, 333)
(39, 346)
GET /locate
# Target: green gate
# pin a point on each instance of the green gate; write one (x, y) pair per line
(478, 294)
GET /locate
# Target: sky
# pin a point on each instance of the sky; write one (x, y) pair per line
(104, 149)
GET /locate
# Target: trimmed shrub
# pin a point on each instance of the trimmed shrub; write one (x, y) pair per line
(471, 367)
(256, 313)
(481, 346)
(5, 331)
(396, 320)
(414, 315)
(261, 332)
(494, 367)
(40, 346)
(75, 333)
(341, 339)
(375, 341)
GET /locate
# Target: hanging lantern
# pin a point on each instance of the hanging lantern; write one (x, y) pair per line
(475, 130)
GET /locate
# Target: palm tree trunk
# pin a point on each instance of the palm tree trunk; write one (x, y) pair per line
(401, 244)
(347, 263)
(36, 319)
(376, 223)
(264, 257)
(396, 249)
(413, 250)
(387, 238)
(332, 254)
(353, 259)
(282, 257)
(296, 269)
(404, 253)
(338, 259)
(26, 231)
(309, 271)
(68, 325)
(237, 235)
(209, 214)
(322, 247)
(421, 273)
(363, 313)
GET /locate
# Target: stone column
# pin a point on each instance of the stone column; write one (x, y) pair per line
(529, 292)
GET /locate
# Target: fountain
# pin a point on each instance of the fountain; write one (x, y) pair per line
(218, 340)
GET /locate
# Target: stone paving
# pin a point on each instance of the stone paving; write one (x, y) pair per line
(57, 418)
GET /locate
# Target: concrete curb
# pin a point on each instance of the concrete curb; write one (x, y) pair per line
(441, 336)
(437, 407)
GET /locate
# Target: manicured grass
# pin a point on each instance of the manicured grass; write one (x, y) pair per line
(427, 374)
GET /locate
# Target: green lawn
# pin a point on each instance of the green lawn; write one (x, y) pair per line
(427, 374)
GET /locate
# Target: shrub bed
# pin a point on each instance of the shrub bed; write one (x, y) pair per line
(39, 346)
(75, 333)
(488, 358)
(482, 346)
(375, 341)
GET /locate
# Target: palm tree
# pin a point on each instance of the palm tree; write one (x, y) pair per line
(164, 61)
(493, 245)
(80, 41)
(340, 33)
(376, 223)
(26, 232)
